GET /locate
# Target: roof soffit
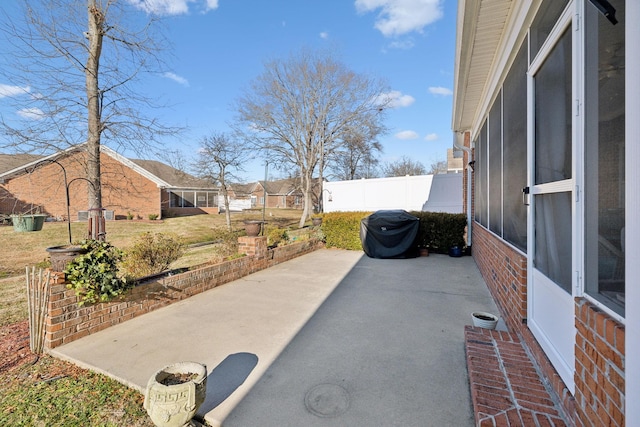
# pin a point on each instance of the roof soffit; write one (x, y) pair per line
(481, 29)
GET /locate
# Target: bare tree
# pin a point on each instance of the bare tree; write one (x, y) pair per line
(72, 80)
(437, 167)
(404, 166)
(218, 158)
(355, 159)
(300, 110)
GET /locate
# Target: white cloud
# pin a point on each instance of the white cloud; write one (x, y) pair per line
(172, 7)
(6, 90)
(395, 99)
(438, 90)
(431, 137)
(324, 35)
(401, 44)
(407, 134)
(176, 78)
(399, 17)
(31, 113)
(212, 4)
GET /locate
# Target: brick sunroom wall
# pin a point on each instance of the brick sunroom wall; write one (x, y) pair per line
(600, 372)
(599, 378)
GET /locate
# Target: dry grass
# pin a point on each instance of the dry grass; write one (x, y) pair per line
(21, 250)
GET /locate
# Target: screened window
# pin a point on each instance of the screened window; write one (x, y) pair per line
(501, 159)
(515, 151)
(192, 198)
(605, 157)
(545, 20)
(495, 166)
(201, 199)
(212, 199)
(188, 199)
(553, 115)
(481, 169)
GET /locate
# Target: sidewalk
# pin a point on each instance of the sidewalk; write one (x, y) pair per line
(332, 338)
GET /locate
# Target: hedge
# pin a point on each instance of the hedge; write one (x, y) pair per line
(438, 231)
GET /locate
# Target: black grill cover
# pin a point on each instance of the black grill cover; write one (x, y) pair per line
(389, 234)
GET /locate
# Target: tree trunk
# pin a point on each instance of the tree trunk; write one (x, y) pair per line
(306, 195)
(225, 197)
(94, 35)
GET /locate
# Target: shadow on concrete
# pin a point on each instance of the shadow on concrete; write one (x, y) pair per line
(225, 378)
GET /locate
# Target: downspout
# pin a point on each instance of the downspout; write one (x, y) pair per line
(458, 145)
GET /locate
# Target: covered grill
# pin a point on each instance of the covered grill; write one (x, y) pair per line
(390, 234)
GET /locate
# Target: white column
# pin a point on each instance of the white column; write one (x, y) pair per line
(632, 225)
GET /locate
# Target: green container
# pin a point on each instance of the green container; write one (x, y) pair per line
(28, 222)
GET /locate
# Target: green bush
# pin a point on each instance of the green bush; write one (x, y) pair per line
(342, 229)
(438, 231)
(94, 275)
(277, 236)
(153, 216)
(226, 243)
(152, 253)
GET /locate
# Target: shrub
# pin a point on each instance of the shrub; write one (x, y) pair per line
(342, 229)
(276, 236)
(438, 231)
(226, 244)
(152, 253)
(153, 217)
(94, 275)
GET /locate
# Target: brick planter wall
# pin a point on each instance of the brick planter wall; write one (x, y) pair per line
(67, 322)
(599, 378)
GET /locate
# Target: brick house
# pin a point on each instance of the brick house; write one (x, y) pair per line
(137, 188)
(281, 194)
(545, 96)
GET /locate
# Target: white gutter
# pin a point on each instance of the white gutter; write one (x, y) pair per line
(458, 145)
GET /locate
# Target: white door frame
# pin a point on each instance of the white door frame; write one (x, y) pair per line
(632, 226)
(549, 306)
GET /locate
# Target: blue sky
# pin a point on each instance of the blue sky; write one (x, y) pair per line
(219, 47)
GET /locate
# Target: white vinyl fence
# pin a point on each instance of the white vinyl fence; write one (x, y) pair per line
(434, 193)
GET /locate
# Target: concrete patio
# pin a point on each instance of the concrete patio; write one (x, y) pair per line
(331, 338)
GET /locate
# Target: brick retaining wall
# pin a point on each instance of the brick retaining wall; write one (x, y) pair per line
(67, 322)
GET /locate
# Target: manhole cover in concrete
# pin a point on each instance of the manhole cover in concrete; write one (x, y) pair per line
(327, 400)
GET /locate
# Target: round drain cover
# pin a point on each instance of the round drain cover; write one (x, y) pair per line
(327, 400)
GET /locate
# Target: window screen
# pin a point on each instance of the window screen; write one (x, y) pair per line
(605, 158)
(515, 151)
(495, 166)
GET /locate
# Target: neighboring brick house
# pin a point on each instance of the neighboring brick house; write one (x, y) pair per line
(281, 194)
(542, 110)
(137, 188)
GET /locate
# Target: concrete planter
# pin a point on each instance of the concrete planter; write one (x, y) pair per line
(175, 393)
(252, 228)
(30, 222)
(484, 320)
(60, 256)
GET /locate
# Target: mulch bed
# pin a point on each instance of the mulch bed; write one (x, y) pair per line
(14, 346)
